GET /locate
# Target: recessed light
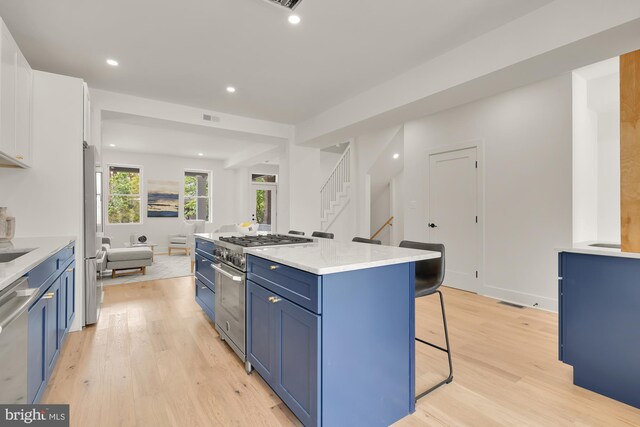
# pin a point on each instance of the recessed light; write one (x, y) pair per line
(231, 89)
(395, 156)
(112, 62)
(294, 19)
(200, 154)
(112, 145)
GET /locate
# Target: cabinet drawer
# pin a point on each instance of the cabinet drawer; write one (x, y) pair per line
(295, 285)
(204, 248)
(204, 271)
(52, 267)
(206, 299)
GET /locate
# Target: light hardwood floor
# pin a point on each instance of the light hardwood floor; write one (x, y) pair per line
(154, 359)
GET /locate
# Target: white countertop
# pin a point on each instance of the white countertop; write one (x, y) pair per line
(329, 256)
(43, 248)
(585, 248)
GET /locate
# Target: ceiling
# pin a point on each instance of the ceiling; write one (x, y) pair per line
(189, 51)
(139, 134)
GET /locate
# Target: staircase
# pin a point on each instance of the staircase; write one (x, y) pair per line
(335, 193)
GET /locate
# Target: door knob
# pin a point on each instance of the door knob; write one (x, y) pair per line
(432, 225)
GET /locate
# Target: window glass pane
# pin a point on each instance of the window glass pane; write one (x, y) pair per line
(196, 195)
(124, 180)
(264, 178)
(124, 209)
(189, 185)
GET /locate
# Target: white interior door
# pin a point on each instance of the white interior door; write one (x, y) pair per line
(453, 210)
(264, 206)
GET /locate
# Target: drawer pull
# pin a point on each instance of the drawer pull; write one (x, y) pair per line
(274, 300)
(203, 287)
(69, 270)
(273, 267)
(48, 296)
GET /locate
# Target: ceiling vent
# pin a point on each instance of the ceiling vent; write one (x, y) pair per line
(289, 4)
(210, 118)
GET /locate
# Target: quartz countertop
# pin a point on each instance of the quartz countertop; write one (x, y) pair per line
(43, 248)
(585, 248)
(327, 256)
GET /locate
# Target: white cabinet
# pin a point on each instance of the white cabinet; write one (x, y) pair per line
(15, 103)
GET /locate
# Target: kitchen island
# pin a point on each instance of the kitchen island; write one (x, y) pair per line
(599, 319)
(330, 327)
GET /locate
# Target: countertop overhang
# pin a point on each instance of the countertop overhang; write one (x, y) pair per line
(330, 256)
(587, 249)
(43, 248)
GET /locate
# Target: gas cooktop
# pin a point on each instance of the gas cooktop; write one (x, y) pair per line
(266, 240)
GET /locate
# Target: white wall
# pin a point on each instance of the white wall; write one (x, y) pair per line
(304, 188)
(596, 158)
(585, 164)
(609, 176)
(225, 197)
(47, 198)
(380, 212)
(527, 136)
(397, 208)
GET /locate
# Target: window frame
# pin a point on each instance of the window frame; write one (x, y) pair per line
(107, 186)
(208, 196)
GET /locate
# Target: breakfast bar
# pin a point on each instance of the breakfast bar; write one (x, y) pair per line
(331, 329)
(329, 326)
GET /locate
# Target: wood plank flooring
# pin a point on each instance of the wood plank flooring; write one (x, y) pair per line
(154, 359)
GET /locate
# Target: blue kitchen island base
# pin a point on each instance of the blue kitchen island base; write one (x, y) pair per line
(600, 323)
(337, 348)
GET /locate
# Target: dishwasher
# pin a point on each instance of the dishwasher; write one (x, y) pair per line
(15, 301)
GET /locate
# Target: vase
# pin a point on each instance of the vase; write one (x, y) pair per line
(7, 225)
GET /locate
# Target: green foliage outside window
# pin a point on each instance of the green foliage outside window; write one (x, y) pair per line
(124, 196)
(260, 208)
(196, 189)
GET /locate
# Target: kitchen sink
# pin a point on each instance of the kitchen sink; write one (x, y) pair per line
(8, 256)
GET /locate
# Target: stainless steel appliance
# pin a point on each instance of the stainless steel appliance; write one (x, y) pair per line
(92, 225)
(15, 300)
(230, 280)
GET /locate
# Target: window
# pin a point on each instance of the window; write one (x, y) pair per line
(259, 177)
(124, 195)
(196, 195)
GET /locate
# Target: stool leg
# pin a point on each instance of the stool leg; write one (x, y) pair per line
(446, 350)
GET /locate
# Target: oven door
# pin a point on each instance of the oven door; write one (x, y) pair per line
(230, 308)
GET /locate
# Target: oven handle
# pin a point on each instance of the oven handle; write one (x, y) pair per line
(224, 273)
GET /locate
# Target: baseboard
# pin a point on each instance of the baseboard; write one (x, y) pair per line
(521, 298)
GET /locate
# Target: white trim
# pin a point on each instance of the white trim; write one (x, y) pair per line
(209, 191)
(143, 200)
(521, 298)
(478, 144)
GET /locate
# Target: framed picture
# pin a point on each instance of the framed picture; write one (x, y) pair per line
(163, 199)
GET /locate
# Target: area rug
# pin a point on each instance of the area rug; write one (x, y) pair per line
(163, 267)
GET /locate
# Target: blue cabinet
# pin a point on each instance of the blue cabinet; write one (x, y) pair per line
(284, 349)
(68, 286)
(50, 317)
(37, 369)
(331, 345)
(599, 318)
(52, 333)
(205, 287)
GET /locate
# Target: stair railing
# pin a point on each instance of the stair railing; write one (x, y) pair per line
(335, 184)
(388, 222)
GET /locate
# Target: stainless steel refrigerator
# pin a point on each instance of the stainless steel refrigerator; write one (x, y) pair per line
(92, 243)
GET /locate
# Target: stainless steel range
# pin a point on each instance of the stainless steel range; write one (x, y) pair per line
(230, 279)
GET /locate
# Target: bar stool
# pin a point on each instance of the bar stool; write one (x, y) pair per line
(322, 235)
(429, 277)
(297, 233)
(369, 241)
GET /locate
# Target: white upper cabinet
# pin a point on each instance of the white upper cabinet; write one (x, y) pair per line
(16, 79)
